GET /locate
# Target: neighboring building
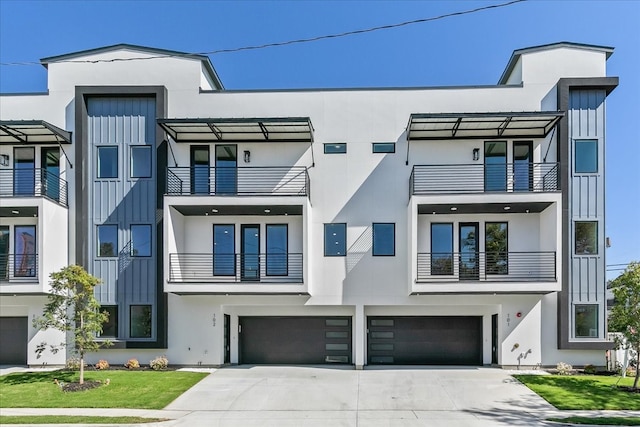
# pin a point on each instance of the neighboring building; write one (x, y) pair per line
(435, 225)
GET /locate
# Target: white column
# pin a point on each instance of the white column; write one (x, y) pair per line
(360, 336)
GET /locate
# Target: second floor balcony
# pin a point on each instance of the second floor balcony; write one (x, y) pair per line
(484, 178)
(238, 181)
(19, 268)
(31, 182)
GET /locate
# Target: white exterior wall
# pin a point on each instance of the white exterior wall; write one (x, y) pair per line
(358, 188)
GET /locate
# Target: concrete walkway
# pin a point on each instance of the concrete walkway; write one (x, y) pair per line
(267, 396)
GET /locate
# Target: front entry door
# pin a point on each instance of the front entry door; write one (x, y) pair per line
(50, 178)
(469, 265)
(494, 339)
(227, 338)
(250, 256)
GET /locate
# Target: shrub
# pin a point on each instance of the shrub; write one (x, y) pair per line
(564, 368)
(73, 364)
(159, 363)
(102, 365)
(132, 364)
(590, 369)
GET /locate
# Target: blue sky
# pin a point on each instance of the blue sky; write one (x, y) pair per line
(463, 50)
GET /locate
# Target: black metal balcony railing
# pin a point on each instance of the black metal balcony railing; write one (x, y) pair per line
(484, 178)
(487, 266)
(240, 181)
(18, 268)
(33, 182)
(236, 268)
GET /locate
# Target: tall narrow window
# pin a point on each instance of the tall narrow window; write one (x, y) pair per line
(107, 162)
(586, 237)
(586, 321)
(50, 174)
(24, 172)
(25, 251)
(4, 252)
(140, 161)
(586, 156)
(140, 321)
(441, 248)
(335, 239)
(277, 249)
(107, 240)
(495, 166)
(496, 248)
(226, 169)
(110, 327)
(384, 239)
(199, 173)
(141, 240)
(224, 250)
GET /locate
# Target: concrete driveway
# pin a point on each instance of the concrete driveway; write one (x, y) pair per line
(319, 396)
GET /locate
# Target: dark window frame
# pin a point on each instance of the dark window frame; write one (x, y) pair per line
(233, 254)
(286, 249)
(373, 245)
(131, 307)
(132, 148)
(116, 250)
(575, 323)
(452, 253)
(595, 235)
(340, 148)
(110, 147)
(377, 147)
(506, 252)
(150, 240)
(344, 244)
(112, 320)
(578, 142)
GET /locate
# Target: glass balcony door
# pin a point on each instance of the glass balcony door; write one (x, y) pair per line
(523, 166)
(495, 166)
(199, 176)
(24, 171)
(469, 263)
(250, 256)
(226, 171)
(50, 178)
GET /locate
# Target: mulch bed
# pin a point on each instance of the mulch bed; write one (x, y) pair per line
(87, 385)
(628, 389)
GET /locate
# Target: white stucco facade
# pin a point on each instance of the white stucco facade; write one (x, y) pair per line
(197, 317)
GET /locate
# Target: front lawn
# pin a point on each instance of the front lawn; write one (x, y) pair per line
(74, 419)
(126, 389)
(590, 392)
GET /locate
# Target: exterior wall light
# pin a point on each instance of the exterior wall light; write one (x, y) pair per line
(247, 156)
(4, 160)
(476, 154)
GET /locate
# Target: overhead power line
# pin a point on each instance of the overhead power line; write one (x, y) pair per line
(289, 42)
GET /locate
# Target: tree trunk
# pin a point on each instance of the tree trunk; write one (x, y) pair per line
(81, 367)
(635, 381)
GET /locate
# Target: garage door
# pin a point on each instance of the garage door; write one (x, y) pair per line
(295, 340)
(13, 340)
(425, 340)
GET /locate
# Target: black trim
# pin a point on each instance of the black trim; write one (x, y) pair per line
(12, 129)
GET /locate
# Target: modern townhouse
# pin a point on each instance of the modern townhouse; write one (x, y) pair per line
(431, 225)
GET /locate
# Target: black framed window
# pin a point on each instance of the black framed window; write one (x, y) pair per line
(277, 248)
(384, 239)
(140, 161)
(586, 321)
(141, 240)
(140, 321)
(24, 241)
(110, 327)
(107, 240)
(586, 237)
(442, 248)
(107, 162)
(586, 156)
(495, 166)
(496, 247)
(335, 239)
(383, 147)
(224, 247)
(336, 148)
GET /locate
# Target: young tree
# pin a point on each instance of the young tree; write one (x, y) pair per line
(625, 314)
(73, 308)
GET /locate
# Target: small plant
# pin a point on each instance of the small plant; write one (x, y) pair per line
(159, 363)
(102, 365)
(73, 364)
(590, 369)
(132, 364)
(564, 368)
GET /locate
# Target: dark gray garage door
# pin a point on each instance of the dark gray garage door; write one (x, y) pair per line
(425, 340)
(295, 340)
(13, 340)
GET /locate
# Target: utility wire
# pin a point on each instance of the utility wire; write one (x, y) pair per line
(289, 42)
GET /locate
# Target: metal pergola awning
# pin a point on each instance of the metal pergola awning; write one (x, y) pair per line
(447, 126)
(272, 129)
(32, 132)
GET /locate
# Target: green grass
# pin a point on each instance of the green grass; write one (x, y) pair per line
(127, 389)
(600, 421)
(73, 419)
(589, 392)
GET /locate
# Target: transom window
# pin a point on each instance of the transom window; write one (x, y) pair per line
(383, 147)
(336, 148)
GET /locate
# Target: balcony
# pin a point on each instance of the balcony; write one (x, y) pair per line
(238, 181)
(484, 178)
(236, 268)
(486, 267)
(20, 268)
(33, 182)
